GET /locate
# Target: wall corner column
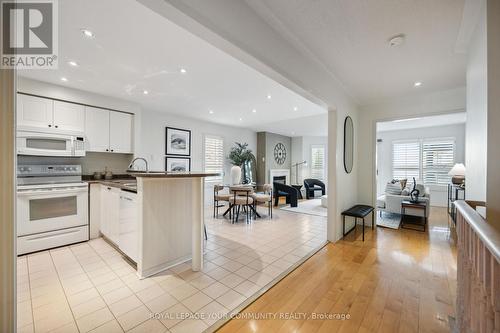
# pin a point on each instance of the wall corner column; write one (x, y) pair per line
(333, 218)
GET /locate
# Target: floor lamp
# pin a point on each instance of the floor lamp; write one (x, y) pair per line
(296, 165)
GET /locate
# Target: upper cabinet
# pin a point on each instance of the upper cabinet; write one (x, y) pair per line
(36, 113)
(120, 132)
(108, 131)
(69, 116)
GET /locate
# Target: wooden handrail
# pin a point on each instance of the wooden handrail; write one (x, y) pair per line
(478, 272)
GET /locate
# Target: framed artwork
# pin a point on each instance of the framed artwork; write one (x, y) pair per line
(177, 164)
(177, 142)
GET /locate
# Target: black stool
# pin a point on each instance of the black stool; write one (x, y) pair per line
(358, 211)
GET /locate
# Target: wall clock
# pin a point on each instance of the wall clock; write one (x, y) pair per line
(280, 153)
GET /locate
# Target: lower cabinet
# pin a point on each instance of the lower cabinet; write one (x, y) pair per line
(129, 233)
(110, 213)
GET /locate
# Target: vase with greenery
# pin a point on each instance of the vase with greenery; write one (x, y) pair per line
(242, 159)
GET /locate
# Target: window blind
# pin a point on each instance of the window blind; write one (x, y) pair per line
(214, 157)
(318, 162)
(406, 160)
(438, 157)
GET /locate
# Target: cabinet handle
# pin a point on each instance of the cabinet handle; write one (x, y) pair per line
(107, 149)
(112, 149)
(109, 188)
(50, 125)
(56, 126)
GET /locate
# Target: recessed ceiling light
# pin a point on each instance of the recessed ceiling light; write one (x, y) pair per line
(269, 97)
(211, 111)
(417, 84)
(183, 71)
(397, 40)
(254, 111)
(145, 92)
(64, 79)
(295, 108)
(293, 133)
(241, 119)
(73, 63)
(87, 33)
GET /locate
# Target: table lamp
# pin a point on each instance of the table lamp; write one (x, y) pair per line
(458, 174)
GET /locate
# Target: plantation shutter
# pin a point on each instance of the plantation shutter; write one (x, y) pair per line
(318, 162)
(406, 160)
(438, 158)
(214, 157)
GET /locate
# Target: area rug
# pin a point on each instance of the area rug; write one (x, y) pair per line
(388, 220)
(311, 207)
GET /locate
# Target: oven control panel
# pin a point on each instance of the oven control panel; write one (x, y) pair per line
(48, 170)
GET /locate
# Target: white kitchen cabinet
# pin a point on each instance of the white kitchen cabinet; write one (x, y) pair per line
(97, 129)
(110, 213)
(69, 117)
(108, 131)
(34, 113)
(120, 132)
(129, 225)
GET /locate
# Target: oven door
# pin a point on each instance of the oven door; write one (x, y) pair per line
(51, 208)
(44, 144)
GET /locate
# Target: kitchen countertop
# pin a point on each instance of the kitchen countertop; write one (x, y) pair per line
(122, 183)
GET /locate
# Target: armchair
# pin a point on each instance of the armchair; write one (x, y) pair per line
(312, 185)
(291, 194)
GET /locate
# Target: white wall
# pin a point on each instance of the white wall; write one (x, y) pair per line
(399, 108)
(384, 154)
(477, 114)
(153, 138)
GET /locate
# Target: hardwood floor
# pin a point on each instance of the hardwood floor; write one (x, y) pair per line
(396, 281)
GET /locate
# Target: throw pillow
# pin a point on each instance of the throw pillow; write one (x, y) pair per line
(421, 189)
(403, 183)
(394, 189)
(405, 191)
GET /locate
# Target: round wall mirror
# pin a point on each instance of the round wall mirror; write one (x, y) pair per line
(348, 144)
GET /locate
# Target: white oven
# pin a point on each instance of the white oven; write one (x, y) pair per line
(49, 144)
(52, 213)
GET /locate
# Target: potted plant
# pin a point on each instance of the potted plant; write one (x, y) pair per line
(240, 157)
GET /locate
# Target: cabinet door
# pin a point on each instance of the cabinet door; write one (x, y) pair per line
(110, 217)
(34, 112)
(97, 129)
(69, 117)
(120, 132)
(129, 225)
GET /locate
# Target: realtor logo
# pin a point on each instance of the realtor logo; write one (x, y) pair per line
(29, 34)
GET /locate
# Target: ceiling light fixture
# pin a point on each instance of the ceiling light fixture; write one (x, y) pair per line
(241, 119)
(295, 108)
(145, 92)
(64, 79)
(417, 84)
(183, 71)
(211, 111)
(254, 111)
(268, 96)
(87, 33)
(73, 63)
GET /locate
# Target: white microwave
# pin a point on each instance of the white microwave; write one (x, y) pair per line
(48, 144)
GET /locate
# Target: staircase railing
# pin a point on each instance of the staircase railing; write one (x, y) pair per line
(478, 269)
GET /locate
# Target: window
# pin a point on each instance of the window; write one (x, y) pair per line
(406, 160)
(429, 161)
(214, 157)
(318, 162)
(438, 157)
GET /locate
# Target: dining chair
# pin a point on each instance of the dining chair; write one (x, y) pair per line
(219, 197)
(241, 197)
(266, 197)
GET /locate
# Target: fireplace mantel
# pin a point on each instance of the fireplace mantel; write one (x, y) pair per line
(279, 173)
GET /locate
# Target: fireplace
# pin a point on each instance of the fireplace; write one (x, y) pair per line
(279, 179)
(279, 176)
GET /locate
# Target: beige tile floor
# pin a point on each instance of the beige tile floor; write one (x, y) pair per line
(89, 287)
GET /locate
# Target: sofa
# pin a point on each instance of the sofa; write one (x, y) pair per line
(389, 202)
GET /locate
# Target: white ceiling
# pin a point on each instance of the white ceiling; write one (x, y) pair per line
(135, 49)
(410, 123)
(349, 38)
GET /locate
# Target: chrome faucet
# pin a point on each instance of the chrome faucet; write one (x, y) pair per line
(130, 167)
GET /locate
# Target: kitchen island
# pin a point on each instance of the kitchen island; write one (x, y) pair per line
(170, 220)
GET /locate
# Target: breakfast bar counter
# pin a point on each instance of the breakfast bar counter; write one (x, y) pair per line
(171, 217)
